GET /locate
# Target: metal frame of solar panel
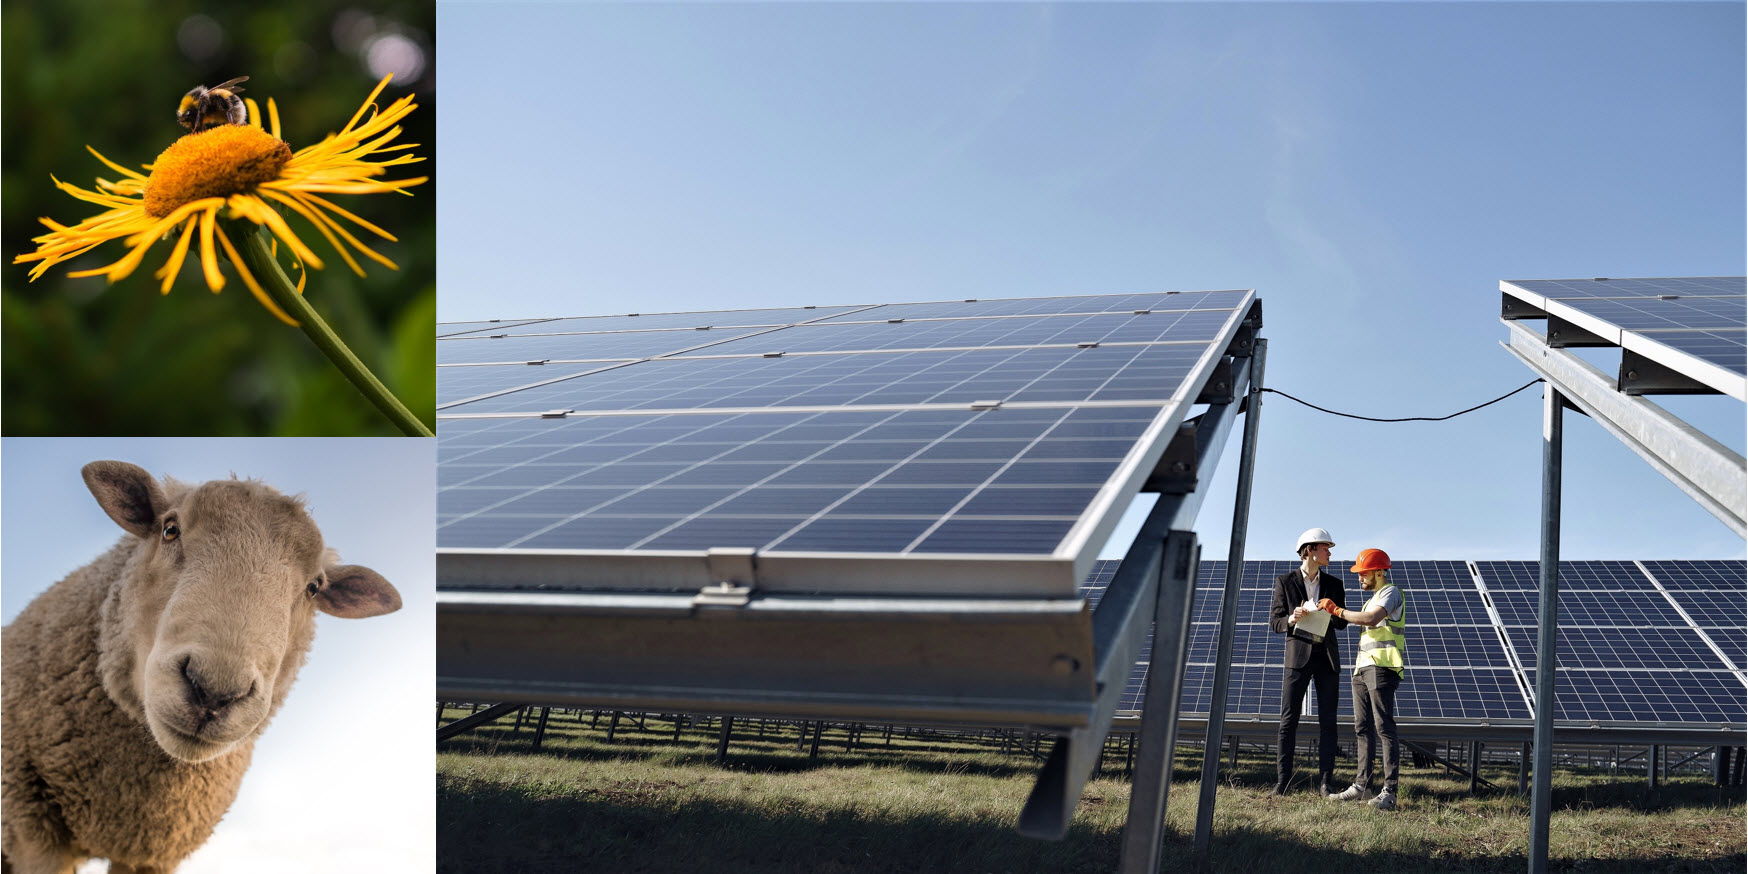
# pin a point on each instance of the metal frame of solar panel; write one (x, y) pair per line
(876, 512)
(1666, 673)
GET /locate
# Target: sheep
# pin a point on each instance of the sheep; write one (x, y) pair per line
(134, 689)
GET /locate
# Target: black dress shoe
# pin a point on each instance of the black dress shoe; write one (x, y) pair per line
(1327, 790)
(1280, 788)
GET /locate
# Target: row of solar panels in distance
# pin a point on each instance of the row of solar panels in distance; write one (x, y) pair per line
(965, 309)
(1658, 668)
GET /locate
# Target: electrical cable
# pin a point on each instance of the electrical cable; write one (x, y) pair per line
(1409, 418)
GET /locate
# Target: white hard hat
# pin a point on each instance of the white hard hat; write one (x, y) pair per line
(1314, 535)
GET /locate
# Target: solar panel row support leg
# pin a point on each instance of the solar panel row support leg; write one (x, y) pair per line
(1229, 603)
(1541, 794)
(1145, 829)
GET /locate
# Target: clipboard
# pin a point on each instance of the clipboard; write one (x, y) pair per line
(1313, 627)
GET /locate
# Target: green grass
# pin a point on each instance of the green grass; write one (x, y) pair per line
(648, 804)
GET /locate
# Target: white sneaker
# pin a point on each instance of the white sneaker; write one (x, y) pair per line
(1351, 793)
(1386, 800)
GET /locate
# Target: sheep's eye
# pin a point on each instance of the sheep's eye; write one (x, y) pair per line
(171, 531)
(314, 587)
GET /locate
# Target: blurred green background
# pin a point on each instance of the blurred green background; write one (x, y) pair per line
(83, 357)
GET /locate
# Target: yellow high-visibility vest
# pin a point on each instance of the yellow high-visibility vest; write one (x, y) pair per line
(1386, 644)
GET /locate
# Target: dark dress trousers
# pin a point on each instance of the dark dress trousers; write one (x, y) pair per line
(1308, 663)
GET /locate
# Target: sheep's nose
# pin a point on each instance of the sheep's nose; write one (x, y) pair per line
(211, 693)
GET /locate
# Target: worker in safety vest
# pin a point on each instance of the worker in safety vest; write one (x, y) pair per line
(1377, 673)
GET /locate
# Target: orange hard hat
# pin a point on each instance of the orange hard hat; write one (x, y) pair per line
(1371, 560)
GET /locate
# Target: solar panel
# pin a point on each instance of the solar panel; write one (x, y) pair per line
(626, 346)
(1430, 693)
(1696, 326)
(1067, 375)
(1009, 465)
(1588, 607)
(1723, 575)
(454, 329)
(1648, 698)
(1725, 610)
(1627, 647)
(1526, 575)
(765, 318)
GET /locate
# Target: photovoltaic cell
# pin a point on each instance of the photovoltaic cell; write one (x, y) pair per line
(1725, 348)
(452, 329)
(460, 383)
(1574, 575)
(756, 480)
(1454, 647)
(1198, 326)
(1725, 610)
(1654, 314)
(1702, 574)
(1638, 697)
(1118, 373)
(1101, 303)
(1445, 607)
(1578, 289)
(1588, 607)
(1429, 693)
(1659, 649)
(662, 321)
(630, 345)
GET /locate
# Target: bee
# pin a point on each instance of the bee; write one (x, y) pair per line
(204, 107)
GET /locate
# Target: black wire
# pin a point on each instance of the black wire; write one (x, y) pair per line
(1410, 418)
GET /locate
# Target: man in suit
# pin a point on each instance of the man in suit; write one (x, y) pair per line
(1308, 661)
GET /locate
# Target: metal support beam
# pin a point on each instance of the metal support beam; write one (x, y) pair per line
(722, 739)
(1711, 473)
(1474, 767)
(1523, 765)
(1229, 606)
(1652, 756)
(1171, 626)
(477, 719)
(540, 730)
(1541, 795)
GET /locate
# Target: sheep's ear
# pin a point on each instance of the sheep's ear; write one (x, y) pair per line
(356, 592)
(128, 494)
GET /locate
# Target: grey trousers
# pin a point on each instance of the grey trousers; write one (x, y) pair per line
(1374, 713)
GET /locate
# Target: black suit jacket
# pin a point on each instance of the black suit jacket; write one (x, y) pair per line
(1290, 593)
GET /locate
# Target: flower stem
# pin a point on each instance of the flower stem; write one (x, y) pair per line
(278, 286)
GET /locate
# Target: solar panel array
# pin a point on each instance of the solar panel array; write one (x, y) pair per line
(967, 428)
(1698, 325)
(1654, 642)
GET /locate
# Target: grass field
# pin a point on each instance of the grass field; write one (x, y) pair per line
(646, 803)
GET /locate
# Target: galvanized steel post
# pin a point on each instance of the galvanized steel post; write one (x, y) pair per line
(1541, 795)
(1229, 604)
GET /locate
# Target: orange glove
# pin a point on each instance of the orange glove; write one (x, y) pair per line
(1329, 607)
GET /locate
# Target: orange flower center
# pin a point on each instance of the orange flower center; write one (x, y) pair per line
(225, 160)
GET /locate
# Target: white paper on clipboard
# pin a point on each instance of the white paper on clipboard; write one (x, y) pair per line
(1312, 626)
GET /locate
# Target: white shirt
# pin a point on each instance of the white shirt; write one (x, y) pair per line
(1312, 584)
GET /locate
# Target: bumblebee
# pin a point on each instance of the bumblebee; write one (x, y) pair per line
(204, 107)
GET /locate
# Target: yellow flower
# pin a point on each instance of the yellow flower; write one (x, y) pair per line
(236, 172)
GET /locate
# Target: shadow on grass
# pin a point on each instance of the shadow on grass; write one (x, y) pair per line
(650, 827)
(485, 827)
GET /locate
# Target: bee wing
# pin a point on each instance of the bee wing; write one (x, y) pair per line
(231, 85)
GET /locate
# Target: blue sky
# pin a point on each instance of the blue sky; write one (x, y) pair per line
(338, 745)
(1373, 170)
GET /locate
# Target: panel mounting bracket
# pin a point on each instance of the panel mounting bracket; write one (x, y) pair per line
(1511, 309)
(731, 567)
(1176, 472)
(1218, 388)
(1566, 335)
(1642, 376)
